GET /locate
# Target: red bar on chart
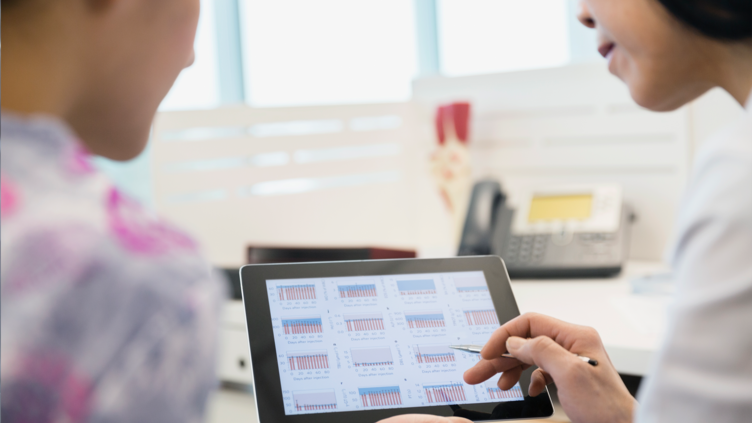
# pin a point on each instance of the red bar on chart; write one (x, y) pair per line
(300, 325)
(308, 360)
(425, 319)
(450, 392)
(514, 394)
(481, 317)
(361, 322)
(381, 396)
(357, 291)
(296, 292)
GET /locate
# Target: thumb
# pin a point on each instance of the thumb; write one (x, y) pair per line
(544, 352)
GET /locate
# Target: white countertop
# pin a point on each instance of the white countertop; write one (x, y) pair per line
(631, 325)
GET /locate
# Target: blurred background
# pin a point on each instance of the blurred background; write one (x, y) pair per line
(328, 52)
(316, 124)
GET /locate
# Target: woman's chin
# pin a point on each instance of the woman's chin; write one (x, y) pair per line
(654, 99)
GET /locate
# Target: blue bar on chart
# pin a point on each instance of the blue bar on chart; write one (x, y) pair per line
(383, 396)
(425, 319)
(481, 317)
(377, 356)
(433, 353)
(416, 287)
(298, 325)
(296, 292)
(367, 321)
(315, 400)
(357, 291)
(466, 285)
(447, 392)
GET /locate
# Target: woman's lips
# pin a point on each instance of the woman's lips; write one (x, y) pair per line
(605, 49)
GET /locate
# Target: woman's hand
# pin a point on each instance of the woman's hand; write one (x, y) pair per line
(587, 393)
(423, 418)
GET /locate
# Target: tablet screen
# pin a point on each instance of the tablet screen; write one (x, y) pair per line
(375, 342)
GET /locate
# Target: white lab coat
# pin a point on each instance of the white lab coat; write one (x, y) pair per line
(703, 371)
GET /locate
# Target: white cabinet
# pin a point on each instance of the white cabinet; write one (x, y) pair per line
(234, 357)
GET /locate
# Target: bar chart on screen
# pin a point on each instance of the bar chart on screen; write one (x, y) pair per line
(445, 392)
(381, 396)
(368, 357)
(308, 360)
(296, 292)
(357, 290)
(362, 322)
(494, 392)
(425, 319)
(433, 354)
(470, 284)
(416, 287)
(302, 324)
(481, 317)
(315, 400)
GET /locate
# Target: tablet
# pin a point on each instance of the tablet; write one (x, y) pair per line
(366, 340)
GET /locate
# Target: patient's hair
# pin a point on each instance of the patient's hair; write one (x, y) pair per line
(729, 20)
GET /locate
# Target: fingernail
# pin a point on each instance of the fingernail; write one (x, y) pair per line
(515, 343)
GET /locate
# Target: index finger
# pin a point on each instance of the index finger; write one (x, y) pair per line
(528, 325)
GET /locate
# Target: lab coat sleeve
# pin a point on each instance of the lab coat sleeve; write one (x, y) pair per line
(703, 371)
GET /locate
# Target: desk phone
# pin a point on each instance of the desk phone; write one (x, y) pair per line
(567, 232)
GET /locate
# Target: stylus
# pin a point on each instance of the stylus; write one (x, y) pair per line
(475, 349)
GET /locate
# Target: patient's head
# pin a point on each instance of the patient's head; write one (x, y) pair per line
(101, 65)
(669, 52)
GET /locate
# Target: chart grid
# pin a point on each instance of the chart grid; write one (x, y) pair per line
(416, 287)
(300, 325)
(308, 360)
(450, 392)
(433, 354)
(361, 322)
(367, 357)
(425, 319)
(315, 401)
(514, 393)
(375, 397)
(471, 284)
(481, 317)
(296, 292)
(355, 291)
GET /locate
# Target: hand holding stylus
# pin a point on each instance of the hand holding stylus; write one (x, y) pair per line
(476, 349)
(588, 393)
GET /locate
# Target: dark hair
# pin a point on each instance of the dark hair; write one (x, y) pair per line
(729, 20)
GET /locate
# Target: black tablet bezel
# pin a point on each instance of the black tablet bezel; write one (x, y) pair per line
(267, 382)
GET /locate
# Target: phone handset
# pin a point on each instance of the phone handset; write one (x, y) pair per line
(477, 234)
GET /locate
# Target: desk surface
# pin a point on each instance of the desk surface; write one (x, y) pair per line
(630, 325)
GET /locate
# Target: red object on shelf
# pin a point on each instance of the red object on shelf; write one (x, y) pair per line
(458, 114)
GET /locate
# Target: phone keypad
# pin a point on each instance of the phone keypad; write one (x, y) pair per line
(530, 250)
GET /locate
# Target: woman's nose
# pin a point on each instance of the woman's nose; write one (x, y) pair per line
(584, 16)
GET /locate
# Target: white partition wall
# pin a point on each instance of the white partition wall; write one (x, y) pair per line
(316, 176)
(570, 125)
(358, 175)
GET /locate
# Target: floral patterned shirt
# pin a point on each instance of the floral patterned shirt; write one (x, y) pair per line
(108, 313)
